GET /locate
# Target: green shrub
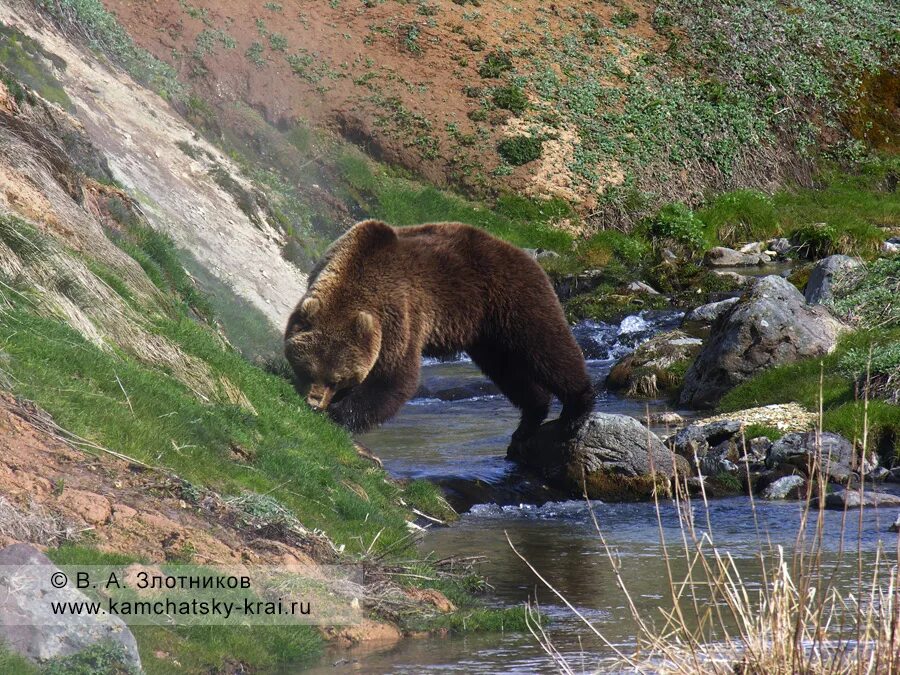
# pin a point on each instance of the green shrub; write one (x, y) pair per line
(869, 298)
(519, 150)
(103, 658)
(625, 18)
(511, 98)
(676, 222)
(739, 216)
(630, 248)
(495, 64)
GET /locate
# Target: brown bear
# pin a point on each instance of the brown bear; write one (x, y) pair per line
(381, 297)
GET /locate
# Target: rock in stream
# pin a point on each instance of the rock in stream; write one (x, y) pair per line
(613, 457)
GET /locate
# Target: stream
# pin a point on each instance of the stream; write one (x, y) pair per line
(455, 434)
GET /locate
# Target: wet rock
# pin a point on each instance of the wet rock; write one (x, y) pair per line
(771, 325)
(821, 279)
(720, 256)
(838, 456)
(759, 448)
(891, 246)
(711, 312)
(657, 366)
(852, 499)
(641, 287)
(786, 487)
(781, 246)
(539, 254)
(570, 285)
(27, 623)
(739, 280)
(697, 439)
(613, 457)
(720, 459)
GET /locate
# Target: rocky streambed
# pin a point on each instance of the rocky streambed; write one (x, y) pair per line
(653, 370)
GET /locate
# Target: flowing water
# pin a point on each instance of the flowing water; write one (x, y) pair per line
(460, 443)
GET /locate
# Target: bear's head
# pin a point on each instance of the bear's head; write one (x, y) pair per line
(330, 351)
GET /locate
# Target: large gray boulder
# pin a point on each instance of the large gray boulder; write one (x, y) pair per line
(28, 625)
(655, 367)
(614, 457)
(822, 277)
(852, 499)
(711, 312)
(838, 458)
(770, 326)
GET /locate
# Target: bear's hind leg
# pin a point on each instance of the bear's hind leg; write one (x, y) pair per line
(514, 383)
(576, 407)
(535, 406)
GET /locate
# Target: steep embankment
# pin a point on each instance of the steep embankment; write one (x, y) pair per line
(175, 177)
(131, 430)
(612, 107)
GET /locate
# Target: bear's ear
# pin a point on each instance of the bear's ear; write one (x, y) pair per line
(310, 307)
(373, 233)
(366, 323)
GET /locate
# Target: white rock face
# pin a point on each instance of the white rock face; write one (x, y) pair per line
(28, 625)
(139, 134)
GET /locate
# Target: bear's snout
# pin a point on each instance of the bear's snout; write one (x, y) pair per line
(319, 396)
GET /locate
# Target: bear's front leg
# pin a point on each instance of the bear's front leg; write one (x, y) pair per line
(377, 398)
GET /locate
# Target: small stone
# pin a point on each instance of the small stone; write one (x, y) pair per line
(540, 253)
(735, 278)
(721, 256)
(784, 488)
(668, 418)
(752, 247)
(780, 246)
(641, 287)
(851, 499)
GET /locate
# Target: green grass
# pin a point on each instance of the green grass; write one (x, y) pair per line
(13, 663)
(89, 20)
(28, 63)
(842, 403)
(202, 649)
(302, 460)
(844, 215)
(400, 201)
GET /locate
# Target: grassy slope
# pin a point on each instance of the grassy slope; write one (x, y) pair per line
(298, 457)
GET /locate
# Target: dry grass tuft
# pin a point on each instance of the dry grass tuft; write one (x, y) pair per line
(33, 524)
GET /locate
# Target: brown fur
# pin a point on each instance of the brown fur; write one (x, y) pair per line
(382, 297)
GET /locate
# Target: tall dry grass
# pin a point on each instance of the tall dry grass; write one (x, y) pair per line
(798, 617)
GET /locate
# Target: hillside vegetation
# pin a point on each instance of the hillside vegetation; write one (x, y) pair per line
(615, 108)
